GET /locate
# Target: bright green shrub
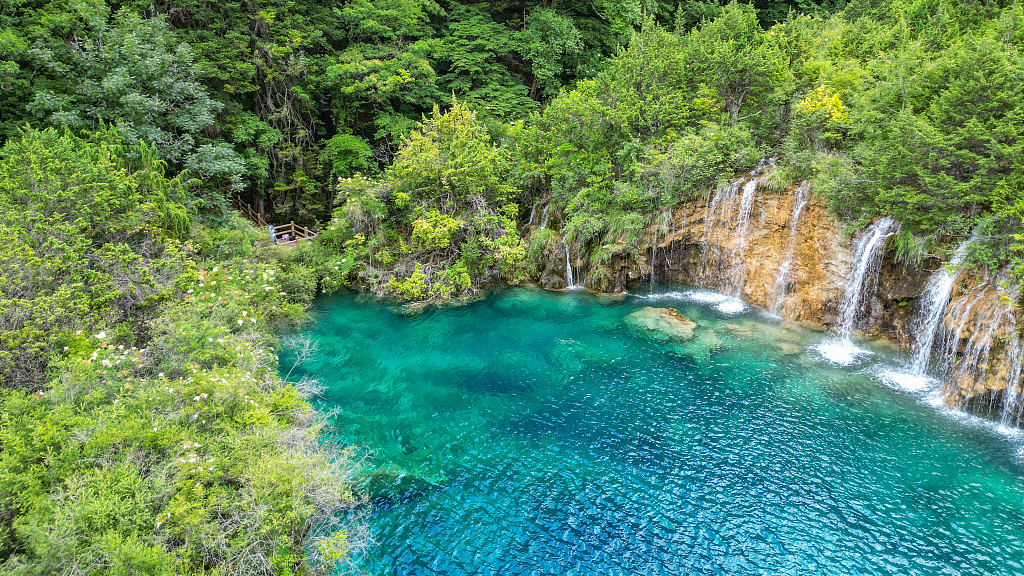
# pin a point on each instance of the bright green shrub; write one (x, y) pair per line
(89, 236)
(412, 288)
(441, 214)
(434, 230)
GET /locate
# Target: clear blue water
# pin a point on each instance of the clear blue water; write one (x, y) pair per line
(534, 433)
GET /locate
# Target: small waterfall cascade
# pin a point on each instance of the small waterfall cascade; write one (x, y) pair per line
(934, 300)
(569, 282)
(867, 259)
(800, 197)
(717, 218)
(663, 227)
(533, 216)
(734, 281)
(544, 216)
(534, 210)
(726, 223)
(1013, 398)
(863, 276)
(985, 352)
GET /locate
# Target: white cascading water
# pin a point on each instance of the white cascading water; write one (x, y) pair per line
(867, 259)
(544, 216)
(568, 269)
(934, 300)
(1013, 401)
(971, 358)
(734, 280)
(800, 198)
(718, 217)
(865, 264)
(662, 228)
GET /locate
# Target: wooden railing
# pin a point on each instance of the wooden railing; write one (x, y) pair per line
(292, 233)
(288, 234)
(249, 213)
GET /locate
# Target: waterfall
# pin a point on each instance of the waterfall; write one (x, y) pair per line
(800, 198)
(568, 268)
(735, 278)
(933, 307)
(1013, 395)
(533, 218)
(544, 216)
(865, 263)
(867, 259)
(720, 202)
(983, 345)
(659, 230)
(720, 224)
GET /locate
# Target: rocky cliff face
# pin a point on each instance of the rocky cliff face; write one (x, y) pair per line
(744, 241)
(696, 247)
(982, 346)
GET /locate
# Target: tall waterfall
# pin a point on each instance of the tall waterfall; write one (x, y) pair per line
(665, 224)
(726, 224)
(734, 282)
(800, 198)
(933, 307)
(718, 216)
(568, 268)
(1013, 400)
(866, 261)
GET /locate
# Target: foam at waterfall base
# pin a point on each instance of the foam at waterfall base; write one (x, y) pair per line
(731, 306)
(842, 352)
(728, 305)
(1012, 433)
(908, 381)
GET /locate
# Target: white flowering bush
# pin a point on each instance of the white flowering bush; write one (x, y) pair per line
(170, 445)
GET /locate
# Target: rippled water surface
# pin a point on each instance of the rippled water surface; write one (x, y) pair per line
(534, 433)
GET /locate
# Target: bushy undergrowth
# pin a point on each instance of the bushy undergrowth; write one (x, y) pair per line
(154, 435)
(438, 224)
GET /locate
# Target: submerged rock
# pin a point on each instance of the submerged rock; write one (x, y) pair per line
(704, 346)
(387, 488)
(572, 356)
(662, 324)
(610, 298)
(789, 349)
(745, 330)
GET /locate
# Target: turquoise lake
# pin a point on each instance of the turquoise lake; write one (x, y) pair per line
(536, 433)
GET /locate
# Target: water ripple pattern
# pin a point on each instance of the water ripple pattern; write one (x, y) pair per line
(537, 433)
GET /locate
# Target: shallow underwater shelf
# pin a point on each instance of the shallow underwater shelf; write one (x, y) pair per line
(535, 433)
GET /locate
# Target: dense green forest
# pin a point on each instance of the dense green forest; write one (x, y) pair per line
(144, 428)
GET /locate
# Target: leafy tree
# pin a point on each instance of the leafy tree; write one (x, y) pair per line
(449, 160)
(472, 64)
(732, 56)
(131, 72)
(439, 222)
(552, 45)
(937, 161)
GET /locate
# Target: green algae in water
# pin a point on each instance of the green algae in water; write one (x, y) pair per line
(533, 433)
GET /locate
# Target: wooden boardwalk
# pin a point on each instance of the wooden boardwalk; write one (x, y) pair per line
(287, 235)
